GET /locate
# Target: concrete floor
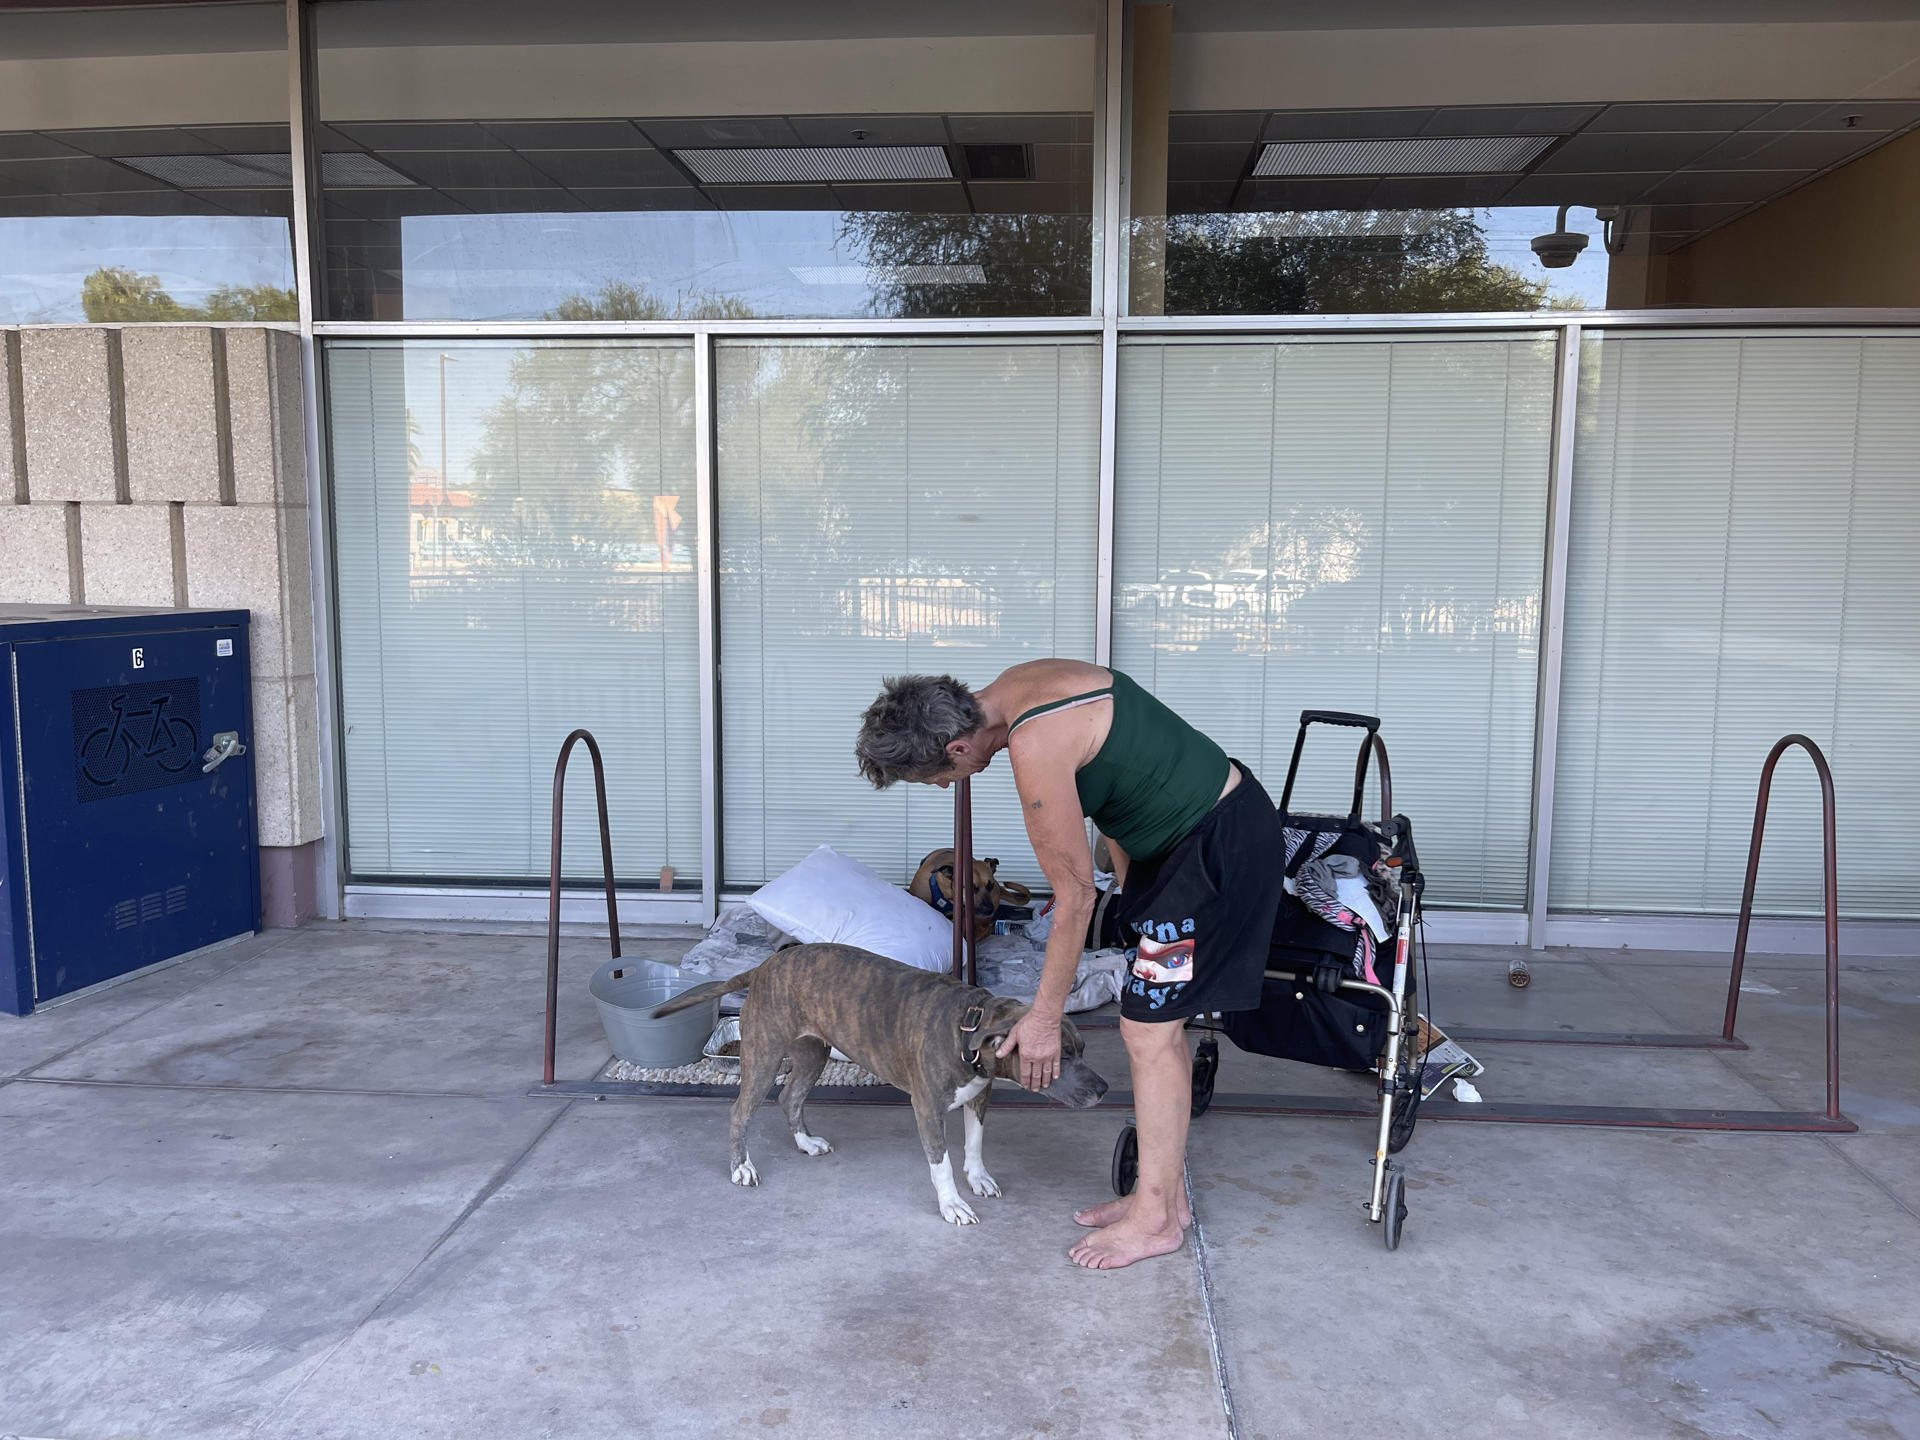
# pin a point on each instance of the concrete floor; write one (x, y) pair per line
(296, 1187)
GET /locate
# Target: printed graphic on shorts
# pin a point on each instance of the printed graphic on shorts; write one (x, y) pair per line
(1164, 964)
(1163, 961)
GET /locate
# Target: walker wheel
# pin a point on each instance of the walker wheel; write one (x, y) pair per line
(1206, 1064)
(1394, 1212)
(1126, 1161)
(1406, 1109)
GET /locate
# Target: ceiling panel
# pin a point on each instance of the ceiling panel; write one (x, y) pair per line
(1434, 192)
(1305, 194)
(1021, 129)
(1197, 163)
(1071, 163)
(1029, 197)
(773, 197)
(1591, 154)
(605, 168)
(742, 130)
(26, 145)
(545, 200)
(1873, 115)
(1199, 199)
(465, 169)
(684, 197)
(78, 177)
(1617, 188)
(419, 135)
(1712, 115)
(872, 129)
(1345, 124)
(1215, 126)
(1510, 119)
(158, 141)
(923, 199)
(1691, 217)
(1803, 151)
(1722, 186)
(565, 134)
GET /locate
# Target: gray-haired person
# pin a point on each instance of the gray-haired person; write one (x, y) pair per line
(1196, 845)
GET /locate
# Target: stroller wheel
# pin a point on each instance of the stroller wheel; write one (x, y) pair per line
(1206, 1064)
(1394, 1212)
(1126, 1161)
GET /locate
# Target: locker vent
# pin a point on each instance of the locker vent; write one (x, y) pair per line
(155, 905)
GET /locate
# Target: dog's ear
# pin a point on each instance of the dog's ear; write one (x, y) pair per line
(1000, 1016)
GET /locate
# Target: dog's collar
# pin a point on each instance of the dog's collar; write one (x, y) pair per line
(971, 1020)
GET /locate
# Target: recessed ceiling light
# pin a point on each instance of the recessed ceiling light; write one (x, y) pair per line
(1426, 155)
(813, 165)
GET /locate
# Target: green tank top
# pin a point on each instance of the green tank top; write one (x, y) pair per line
(1155, 775)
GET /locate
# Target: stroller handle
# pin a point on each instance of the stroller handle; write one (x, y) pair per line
(1368, 723)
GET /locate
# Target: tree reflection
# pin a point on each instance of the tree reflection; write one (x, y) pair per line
(1337, 262)
(113, 294)
(1029, 264)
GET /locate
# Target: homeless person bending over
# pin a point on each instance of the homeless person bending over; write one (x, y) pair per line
(1196, 850)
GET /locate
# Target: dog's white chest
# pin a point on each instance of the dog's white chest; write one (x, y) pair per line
(967, 1091)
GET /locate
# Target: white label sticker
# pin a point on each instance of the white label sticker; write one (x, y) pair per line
(223, 647)
(139, 658)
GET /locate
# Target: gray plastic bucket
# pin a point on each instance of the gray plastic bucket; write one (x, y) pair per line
(626, 990)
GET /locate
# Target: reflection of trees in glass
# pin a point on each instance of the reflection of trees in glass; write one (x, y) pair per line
(618, 300)
(1033, 264)
(115, 294)
(569, 461)
(1339, 262)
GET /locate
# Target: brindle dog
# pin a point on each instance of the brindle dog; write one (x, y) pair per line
(923, 1033)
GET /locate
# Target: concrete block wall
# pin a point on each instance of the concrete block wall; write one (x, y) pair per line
(166, 466)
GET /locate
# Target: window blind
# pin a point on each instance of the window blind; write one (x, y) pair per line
(1348, 524)
(1746, 513)
(545, 581)
(889, 509)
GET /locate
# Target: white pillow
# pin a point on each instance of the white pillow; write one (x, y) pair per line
(830, 899)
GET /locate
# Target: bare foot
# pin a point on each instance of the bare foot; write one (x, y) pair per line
(1122, 1243)
(1094, 1217)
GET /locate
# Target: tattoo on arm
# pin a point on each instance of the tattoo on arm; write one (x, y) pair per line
(1034, 806)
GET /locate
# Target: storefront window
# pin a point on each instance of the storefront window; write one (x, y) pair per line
(1744, 511)
(144, 165)
(889, 509)
(516, 534)
(1348, 524)
(1284, 164)
(596, 161)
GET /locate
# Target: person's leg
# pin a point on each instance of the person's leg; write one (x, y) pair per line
(1162, 1101)
(1109, 1211)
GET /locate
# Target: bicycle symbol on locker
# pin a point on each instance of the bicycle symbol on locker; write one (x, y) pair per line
(109, 753)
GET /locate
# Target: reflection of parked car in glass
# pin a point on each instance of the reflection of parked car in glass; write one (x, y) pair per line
(1187, 589)
(1242, 593)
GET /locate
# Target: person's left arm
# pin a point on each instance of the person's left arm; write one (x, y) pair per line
(1043, 769)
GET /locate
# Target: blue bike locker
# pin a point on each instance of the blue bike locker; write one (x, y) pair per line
(127, 833)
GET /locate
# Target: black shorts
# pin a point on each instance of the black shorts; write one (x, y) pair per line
(1204, 912)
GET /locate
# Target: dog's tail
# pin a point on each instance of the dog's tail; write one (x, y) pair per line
(712, 990)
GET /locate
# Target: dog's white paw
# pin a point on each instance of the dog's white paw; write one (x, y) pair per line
(956, 1211)
(745, 1174)
(982, 1183)
(811, 1144)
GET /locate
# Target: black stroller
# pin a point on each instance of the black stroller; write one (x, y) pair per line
(1340, 989)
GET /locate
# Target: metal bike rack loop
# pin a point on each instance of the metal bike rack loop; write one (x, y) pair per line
(553, 880)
